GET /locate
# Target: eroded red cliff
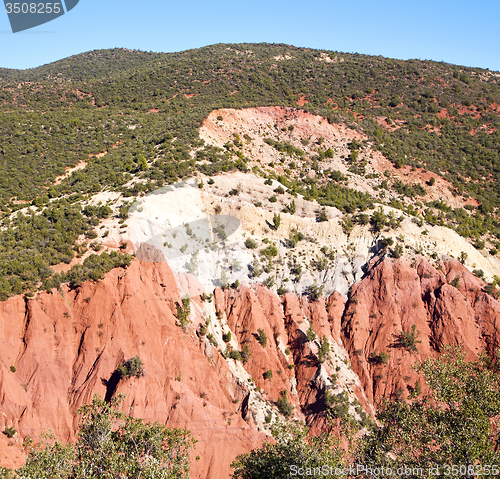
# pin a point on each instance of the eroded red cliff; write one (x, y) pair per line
(64, 347)
(448, 305)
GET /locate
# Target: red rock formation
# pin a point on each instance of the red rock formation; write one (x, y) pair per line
(392, 298)
(65, 347)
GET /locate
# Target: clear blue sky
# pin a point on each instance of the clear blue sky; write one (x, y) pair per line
(461, 32)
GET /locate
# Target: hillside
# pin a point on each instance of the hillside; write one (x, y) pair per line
(120, 114)
(300, 226)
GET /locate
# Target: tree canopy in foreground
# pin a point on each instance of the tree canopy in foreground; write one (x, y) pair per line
(110, 444)
(452, 431)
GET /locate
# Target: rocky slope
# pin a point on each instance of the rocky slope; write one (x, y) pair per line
(65, 346)
(221, 372)
(445, 305)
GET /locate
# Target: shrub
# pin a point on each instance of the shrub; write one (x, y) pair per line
(245, 353)
(291, 208)
(321, 215)
(276, 220)
(282, 290)
(262, 337)
(381, 358)
(219, 230)
(268, 374)
(235, 354)
(268, 282)
(227, 337)
(204, 328)
(134, 367)
(284, 407)
(337, 403)
(398, 250)
(314, 292)
(479, 273)
(183, 313)
(250, 243)
(385, 242)
(10, 432)
(270, 251)
(408, 340)
(311, 334)
(455, 282)
(324, 349)
(13, 369)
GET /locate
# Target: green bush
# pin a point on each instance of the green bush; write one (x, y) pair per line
(245, 353)
(380, 358)
(311, 334)
(183, 313)
(270, 251)
(262, 337)
(235, 354)
(314, 292)
(284, 406)
(276, 220)
(10, 432)
(133, 367)
(110, 443)
(250, 243)
(338, 404)
(324, 349)
(409, 339)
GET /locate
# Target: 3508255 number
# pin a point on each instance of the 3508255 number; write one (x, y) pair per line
(33, 7)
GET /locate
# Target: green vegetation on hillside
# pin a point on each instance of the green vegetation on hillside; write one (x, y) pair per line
(110, 444)
(144, 110)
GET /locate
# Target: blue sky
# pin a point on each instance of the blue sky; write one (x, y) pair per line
(461, 32)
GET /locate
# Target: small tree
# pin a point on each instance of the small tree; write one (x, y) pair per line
(134, 367)
(291, 208)
(322, 216)
(111, 444)
(245, 353)
(324, 349)
(262, 337)
(284, 406)
(456, 424)
(276, 220)
(292, 448)
(311, 334)
(314, 291)
(183, 313)
(250, 243)
(408, 340)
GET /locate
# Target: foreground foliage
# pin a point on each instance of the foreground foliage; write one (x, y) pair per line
(455, 425)
(293, 447)
(454, 430)
(111, 444)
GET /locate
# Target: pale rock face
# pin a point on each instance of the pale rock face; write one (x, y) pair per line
(203, 232)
